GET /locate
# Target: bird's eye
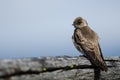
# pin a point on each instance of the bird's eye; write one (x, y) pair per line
(78, 22)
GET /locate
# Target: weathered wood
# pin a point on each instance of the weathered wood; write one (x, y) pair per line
(56, 68)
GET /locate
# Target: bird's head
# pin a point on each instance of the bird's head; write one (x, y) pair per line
(79, 22)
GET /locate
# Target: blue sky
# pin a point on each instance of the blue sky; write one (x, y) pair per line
(33, 28)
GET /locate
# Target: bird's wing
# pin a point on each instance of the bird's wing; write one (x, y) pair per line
(76, 40)
(91, 50)
(78, 47)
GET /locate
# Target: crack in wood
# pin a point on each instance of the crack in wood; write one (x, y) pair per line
(113, 60)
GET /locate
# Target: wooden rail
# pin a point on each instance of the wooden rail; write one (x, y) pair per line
(56, 68)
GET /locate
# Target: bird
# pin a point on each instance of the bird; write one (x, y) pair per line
(86, 41)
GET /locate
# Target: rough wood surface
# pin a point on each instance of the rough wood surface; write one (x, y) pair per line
(56, 68)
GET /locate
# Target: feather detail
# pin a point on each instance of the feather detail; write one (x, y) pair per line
(86, 41)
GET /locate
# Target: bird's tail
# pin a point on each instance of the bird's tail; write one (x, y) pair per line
(103, 66)
(100, 64)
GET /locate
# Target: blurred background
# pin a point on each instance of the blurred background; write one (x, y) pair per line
(34, 28)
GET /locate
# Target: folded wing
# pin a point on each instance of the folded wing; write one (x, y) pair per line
(90, 48)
